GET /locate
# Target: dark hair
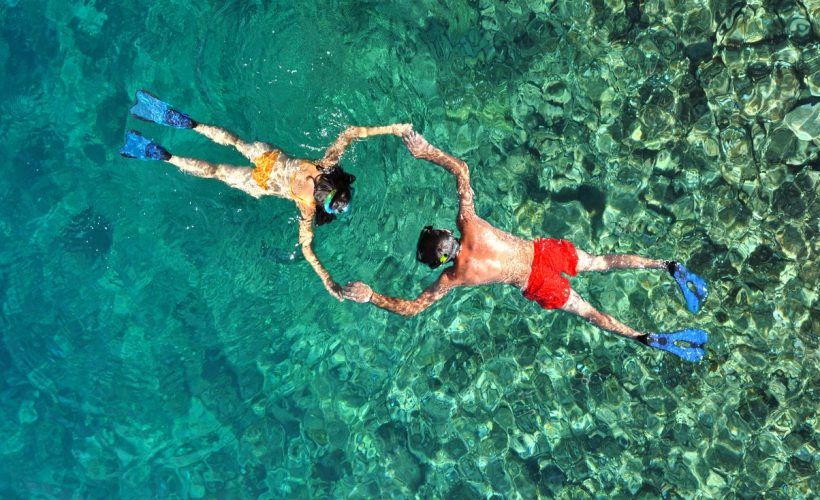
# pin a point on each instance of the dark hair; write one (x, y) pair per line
(332, 180)
(435, 247)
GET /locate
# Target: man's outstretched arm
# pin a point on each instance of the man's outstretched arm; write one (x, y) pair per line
(420, 148)
(360, 292)
(335, 151)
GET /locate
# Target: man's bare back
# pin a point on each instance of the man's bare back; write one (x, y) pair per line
(490, 255)
(487, 255)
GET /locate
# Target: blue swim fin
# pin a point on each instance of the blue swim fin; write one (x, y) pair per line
(147, 107)
(694, 296)
(140, 147)
(693, 337)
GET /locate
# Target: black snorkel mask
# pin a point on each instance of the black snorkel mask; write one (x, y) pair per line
(452, 253)
(443, 255)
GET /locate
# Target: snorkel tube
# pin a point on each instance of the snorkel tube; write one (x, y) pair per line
(329, 200)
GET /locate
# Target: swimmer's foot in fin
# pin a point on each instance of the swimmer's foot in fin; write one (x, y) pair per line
(140, 147)
(685, 344)
(149, 108)
(698, 292)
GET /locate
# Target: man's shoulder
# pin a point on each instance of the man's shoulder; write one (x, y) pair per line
(471, 223)
(452, 276)
(468, 220)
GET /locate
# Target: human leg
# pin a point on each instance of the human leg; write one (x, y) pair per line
(236, 177)
(140, 147)
(250, 150)
(603, 263)
(150, 108)
(580, 307)
(692, 286)
(686, 344)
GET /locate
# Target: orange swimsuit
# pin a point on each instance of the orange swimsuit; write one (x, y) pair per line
(279, 178)
(264, 166)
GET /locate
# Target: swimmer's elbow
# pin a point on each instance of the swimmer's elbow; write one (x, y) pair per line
(407, 309)
(408, 313)
(414, 309)
(307, 251)
(462, 170)
(305, 240)
(402, 307)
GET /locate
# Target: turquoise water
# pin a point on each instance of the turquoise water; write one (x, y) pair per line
(162, 338)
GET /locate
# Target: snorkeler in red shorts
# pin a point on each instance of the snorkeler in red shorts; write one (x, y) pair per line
(486, 255)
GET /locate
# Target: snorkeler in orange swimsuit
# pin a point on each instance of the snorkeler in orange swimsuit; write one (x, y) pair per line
(485, 255)
(320, 189)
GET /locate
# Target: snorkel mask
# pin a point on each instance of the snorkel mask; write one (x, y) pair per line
(451, 255)
(434, 252)
(329, 200)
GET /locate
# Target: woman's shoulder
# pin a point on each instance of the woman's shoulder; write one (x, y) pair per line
(307, 209)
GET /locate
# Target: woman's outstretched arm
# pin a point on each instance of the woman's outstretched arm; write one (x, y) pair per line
(305, 241)
(335, 151)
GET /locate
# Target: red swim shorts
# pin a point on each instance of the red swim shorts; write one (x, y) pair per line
(546, 285)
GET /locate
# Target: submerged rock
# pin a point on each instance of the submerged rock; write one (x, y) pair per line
(795, 19)
(814, 16)
(780, 145)
(556, 91)
(804, 121)
(654, 128)
(811, 62)
(734, 144)
(770, 96)
(704, 135)
(748, 24)
(791, 241)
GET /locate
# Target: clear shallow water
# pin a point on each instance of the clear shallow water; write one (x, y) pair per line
(159, 340)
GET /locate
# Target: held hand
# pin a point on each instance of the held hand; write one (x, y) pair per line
(400, 129)
(417, 144)
(335, 290)
(352, 132)
(358, 292)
